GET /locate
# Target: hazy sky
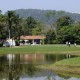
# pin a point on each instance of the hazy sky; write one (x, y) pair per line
(66, 5)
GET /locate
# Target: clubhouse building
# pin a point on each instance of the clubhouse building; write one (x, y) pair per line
(33, 40)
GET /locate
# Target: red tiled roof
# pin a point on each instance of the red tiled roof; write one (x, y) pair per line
(32, 37)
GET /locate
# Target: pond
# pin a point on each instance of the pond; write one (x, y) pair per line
(23, 67)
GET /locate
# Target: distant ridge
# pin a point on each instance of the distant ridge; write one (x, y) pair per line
(46, 16)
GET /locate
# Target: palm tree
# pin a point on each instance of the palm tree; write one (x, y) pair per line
(11, 15)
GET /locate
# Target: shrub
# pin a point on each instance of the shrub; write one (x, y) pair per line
(1, 43)
(17, 42)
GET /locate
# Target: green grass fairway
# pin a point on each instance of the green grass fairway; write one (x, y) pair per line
(59, 49)
(66, 66)
(72, 62)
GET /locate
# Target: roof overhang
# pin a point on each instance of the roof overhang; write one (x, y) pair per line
(32, 37)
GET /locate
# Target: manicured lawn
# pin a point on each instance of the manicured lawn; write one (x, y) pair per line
(72, 62)
(59, 49)
(66, 66)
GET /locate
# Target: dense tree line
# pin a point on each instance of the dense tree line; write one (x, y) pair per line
(63, 30)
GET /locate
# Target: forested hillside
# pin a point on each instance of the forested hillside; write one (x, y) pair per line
(46, 16)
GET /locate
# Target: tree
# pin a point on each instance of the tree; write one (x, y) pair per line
(31, 23)
(67, 33)
(38, 29)
(77, 33)
(17, 27)
(64, 21)
(50, 37)
(11, 15)
(50, 15)
(3, 28)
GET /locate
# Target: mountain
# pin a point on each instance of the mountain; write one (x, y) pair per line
(46, 16)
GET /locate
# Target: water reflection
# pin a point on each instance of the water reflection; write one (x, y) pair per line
(22, 66)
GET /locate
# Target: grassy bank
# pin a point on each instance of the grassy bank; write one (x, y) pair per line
(72, 62)
(59, 49)
(66, 66)
(71, 65)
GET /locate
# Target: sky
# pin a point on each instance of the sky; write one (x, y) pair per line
(66, 5)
